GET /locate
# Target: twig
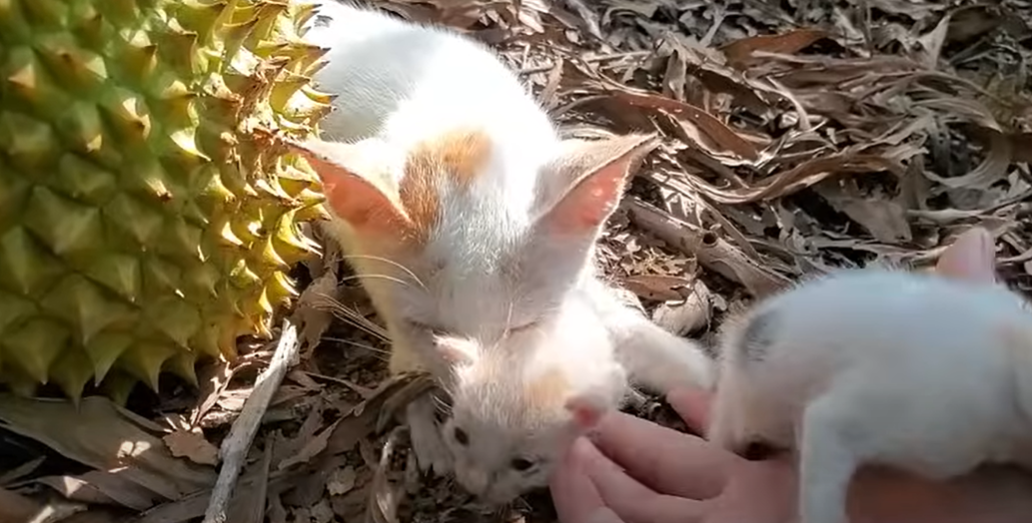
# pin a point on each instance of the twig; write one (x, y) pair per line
(713, 252)
(234, 448)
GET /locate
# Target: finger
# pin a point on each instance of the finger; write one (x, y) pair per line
(575, 497)
(666, 460)
(632, 501)
(693, 407)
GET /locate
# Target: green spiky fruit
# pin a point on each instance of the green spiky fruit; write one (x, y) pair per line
(143, 222)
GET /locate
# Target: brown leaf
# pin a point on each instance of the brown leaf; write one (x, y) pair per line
(372, 414)
(713, 253)
(342, 481)
(811, 172)
(100, 435)
(313, 314)
(739, 52)
(657, 287)
(192, 445)
(885, 219)
(15, 508)
(690, 314)
(714, 134)
(311, 448)
(100, 487)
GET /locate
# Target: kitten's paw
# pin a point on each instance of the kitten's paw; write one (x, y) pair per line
(427, 441)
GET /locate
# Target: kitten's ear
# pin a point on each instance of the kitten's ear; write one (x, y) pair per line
(457, 351)
(355, 178)
(970, 257)
(583, 185)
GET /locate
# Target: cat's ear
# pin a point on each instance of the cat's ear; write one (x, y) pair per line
(970, 257)
(356, 182)
(459, 352)
(582, 186)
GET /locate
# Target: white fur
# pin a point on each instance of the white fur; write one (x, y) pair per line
(506, 417)
(922, 372)
(486, 269)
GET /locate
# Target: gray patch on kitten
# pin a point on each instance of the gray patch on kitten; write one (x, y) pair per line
(758, 336)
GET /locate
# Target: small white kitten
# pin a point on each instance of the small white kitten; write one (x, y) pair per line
(930, 373)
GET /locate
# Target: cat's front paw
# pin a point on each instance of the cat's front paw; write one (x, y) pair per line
(427, 442)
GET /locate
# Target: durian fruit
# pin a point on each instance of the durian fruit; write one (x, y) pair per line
(144, 222)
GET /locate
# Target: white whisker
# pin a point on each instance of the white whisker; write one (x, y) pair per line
(389, 262)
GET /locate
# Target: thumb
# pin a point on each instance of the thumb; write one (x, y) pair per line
(575, 497)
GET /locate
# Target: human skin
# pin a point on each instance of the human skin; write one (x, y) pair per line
(635, 471)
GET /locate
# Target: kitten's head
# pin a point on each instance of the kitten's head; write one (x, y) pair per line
(518, 404)
(445, 247)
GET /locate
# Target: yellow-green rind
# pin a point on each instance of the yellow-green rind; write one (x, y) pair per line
(143, 222)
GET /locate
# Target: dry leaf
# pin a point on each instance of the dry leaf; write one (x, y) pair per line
(100, 487)
(103, 437)
(657, 287)
(192, 445)
(740, 52)
(692, 313)
(342, 481)
(15, 508)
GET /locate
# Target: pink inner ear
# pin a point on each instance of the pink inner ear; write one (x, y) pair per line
(586, 413)
(971, 257)
(591, 201)
(355, 199)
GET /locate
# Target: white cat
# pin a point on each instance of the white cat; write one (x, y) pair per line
(931, 373)
(465, 214)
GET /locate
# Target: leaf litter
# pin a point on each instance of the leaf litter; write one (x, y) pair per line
(797, 137)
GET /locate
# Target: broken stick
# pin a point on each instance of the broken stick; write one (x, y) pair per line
(233, 451)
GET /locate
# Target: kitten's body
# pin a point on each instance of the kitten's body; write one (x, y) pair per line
(922, 372)
(462, 210)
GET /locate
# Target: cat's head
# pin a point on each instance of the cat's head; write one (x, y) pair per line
(517, 405)
(444, 246)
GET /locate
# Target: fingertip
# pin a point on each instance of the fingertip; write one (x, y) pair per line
(693, 407)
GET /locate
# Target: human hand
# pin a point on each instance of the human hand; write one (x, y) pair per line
(639, 472)
(635, 471)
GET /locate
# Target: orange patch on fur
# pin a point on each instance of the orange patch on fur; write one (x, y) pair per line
(548, 391)
(457, 156)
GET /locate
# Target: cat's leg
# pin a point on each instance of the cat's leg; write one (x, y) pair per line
(827, 462)
(427, 441)
(421, 417)
(653, 357)
(657, 359)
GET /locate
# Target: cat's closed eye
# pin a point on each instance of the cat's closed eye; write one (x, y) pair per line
(521, 464)
(433, 330)
(461, 437)
(512, 329)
